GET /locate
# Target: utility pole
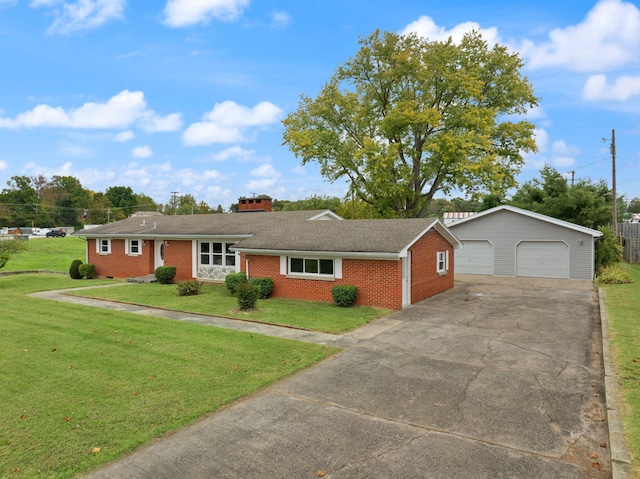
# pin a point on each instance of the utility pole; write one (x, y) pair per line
(573, 175)
(174, 200)
(613, 182)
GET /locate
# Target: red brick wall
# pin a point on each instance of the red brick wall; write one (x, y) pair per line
(178, 254)
(379, 282)
(118, 264)
(425, 281)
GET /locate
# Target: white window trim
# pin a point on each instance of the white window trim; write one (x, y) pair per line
(127, 247)
(442, 257)
(316, 276)
(224, 255)
(99, 246)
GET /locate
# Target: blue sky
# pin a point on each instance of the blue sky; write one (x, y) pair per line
(188, 95)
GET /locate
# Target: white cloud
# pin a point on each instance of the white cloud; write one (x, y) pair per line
(427, 28)
(227, 122)
(557, 153)
(260, 185)
(120, 111)
(82, 14)
(598, 89)
(265, 170)
(142, 152)
(234, 152)
(123, 136)
(3, 165)
(280, 19)
(608, 37)
(182, 13)
(153, 123)
(75, 151)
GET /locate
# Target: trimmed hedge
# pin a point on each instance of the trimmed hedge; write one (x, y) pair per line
(165, 274)
(87, 270)
(264, 286)
(231, 281)
(344, 295)
(189, 288)
(74, 269)
(247, 295)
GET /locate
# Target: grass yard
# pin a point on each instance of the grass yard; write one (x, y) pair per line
(82, 386)
(623, 312)
(214, 299)
(53, 254)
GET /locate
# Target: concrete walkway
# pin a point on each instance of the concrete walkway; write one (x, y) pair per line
(497, 378)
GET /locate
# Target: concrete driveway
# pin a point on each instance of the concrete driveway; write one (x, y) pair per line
(493, 379)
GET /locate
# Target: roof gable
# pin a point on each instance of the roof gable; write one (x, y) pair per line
(530, 214)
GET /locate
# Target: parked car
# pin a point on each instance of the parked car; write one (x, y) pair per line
(56, 233)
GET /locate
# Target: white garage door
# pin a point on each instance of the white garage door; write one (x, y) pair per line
(542, 259)
(475, 257)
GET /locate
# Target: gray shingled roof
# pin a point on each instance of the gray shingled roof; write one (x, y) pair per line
(197, 225)
(358, 236)
(280, 231)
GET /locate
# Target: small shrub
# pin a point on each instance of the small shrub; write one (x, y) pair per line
(608, 251)
(264, 286)
(87, 270)
(189, 288)
(247, 296)
(344, 295)
(231, 281)
(165, 274)
(74, 269)
(613, 275)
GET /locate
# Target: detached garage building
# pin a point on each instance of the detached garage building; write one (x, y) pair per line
(509, 241)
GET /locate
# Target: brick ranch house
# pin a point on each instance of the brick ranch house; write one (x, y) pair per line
(393, 263)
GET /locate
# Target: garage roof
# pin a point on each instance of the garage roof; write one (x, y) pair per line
(531, 214)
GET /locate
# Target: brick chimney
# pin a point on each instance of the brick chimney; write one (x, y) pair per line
(255, 204)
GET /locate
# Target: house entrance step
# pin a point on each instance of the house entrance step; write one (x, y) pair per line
(151, 278)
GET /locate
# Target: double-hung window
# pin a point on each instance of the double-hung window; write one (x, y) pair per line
(134, 247)
(311, 266)
(103, 246)
(442, 262)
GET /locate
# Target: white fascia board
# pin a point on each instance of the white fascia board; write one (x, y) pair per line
(531, 214)
(168, 236)
(320, 254)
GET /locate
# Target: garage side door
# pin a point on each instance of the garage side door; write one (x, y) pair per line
(475, 257)
(542, 259)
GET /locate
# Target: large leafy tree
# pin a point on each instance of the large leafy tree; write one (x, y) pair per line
(585, 203)
(407, 117)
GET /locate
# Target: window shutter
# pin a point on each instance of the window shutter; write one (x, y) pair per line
(283, 265)
(98, 240)
(446, 261)
(127, 244)
(337, 268)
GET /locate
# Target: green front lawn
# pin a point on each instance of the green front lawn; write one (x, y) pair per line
(82, 386)
(214, 299)
(53, 254)
(623, 312)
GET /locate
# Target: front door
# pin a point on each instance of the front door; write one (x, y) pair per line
(158, 254)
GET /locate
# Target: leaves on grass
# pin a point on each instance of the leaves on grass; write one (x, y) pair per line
(95, 450)
(53, 350)
(23, 417)
(67, 418)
